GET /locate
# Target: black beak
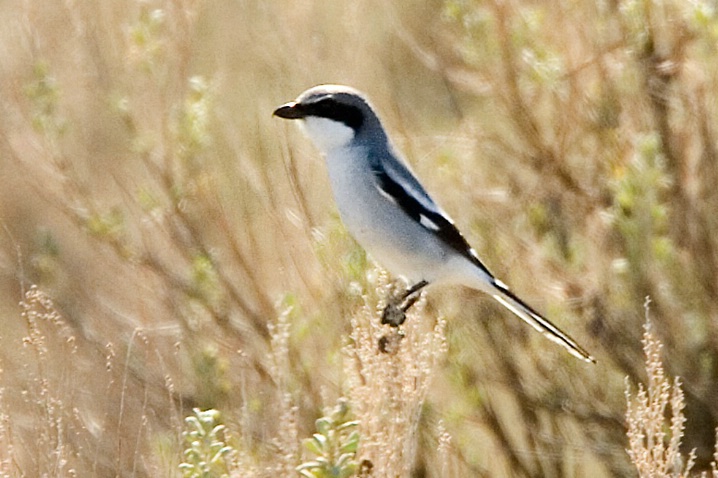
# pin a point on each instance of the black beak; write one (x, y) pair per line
(291, 110)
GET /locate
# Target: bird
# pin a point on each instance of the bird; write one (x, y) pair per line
(388, 211)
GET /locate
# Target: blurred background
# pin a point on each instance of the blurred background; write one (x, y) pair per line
(171, 245)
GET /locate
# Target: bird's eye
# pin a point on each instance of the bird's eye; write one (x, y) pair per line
(325, 106)
(330, 108)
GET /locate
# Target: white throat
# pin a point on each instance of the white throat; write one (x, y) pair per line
(327, 134)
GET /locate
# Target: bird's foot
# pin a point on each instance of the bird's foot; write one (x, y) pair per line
(393, 314)
(389, 342)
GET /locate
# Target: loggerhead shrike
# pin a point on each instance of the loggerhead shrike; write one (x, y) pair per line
(387, 210)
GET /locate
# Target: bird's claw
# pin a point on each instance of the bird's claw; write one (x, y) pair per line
(389, 343)
(393, 315)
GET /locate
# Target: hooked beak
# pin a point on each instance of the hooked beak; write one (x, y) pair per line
(291, 110)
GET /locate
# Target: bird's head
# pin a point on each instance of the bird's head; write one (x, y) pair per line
(332, 116)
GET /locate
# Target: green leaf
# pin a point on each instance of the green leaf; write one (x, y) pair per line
(311, 445)
(352, 443)
(323, 425)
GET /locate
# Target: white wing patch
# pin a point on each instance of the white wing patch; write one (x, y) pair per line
(498, 282)
(386, 195)
(428, 223)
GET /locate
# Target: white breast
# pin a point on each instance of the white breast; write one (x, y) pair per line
(390, 236)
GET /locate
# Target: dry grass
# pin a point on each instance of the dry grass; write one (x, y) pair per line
(149, 193)
(654, 441)
(389, 373)
(656, 420)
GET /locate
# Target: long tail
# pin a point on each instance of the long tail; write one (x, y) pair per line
(509, 300)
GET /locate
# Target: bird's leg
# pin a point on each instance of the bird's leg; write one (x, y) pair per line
(395, 313)
(410, 296)
(406, 305)
(415, 288)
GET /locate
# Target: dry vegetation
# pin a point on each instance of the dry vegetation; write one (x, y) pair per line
(655, 431)
(195, 260)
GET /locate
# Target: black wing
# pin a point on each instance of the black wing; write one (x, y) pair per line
(398, 184)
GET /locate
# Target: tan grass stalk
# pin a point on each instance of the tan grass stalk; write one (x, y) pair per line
(655, 417)
(388, 388)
